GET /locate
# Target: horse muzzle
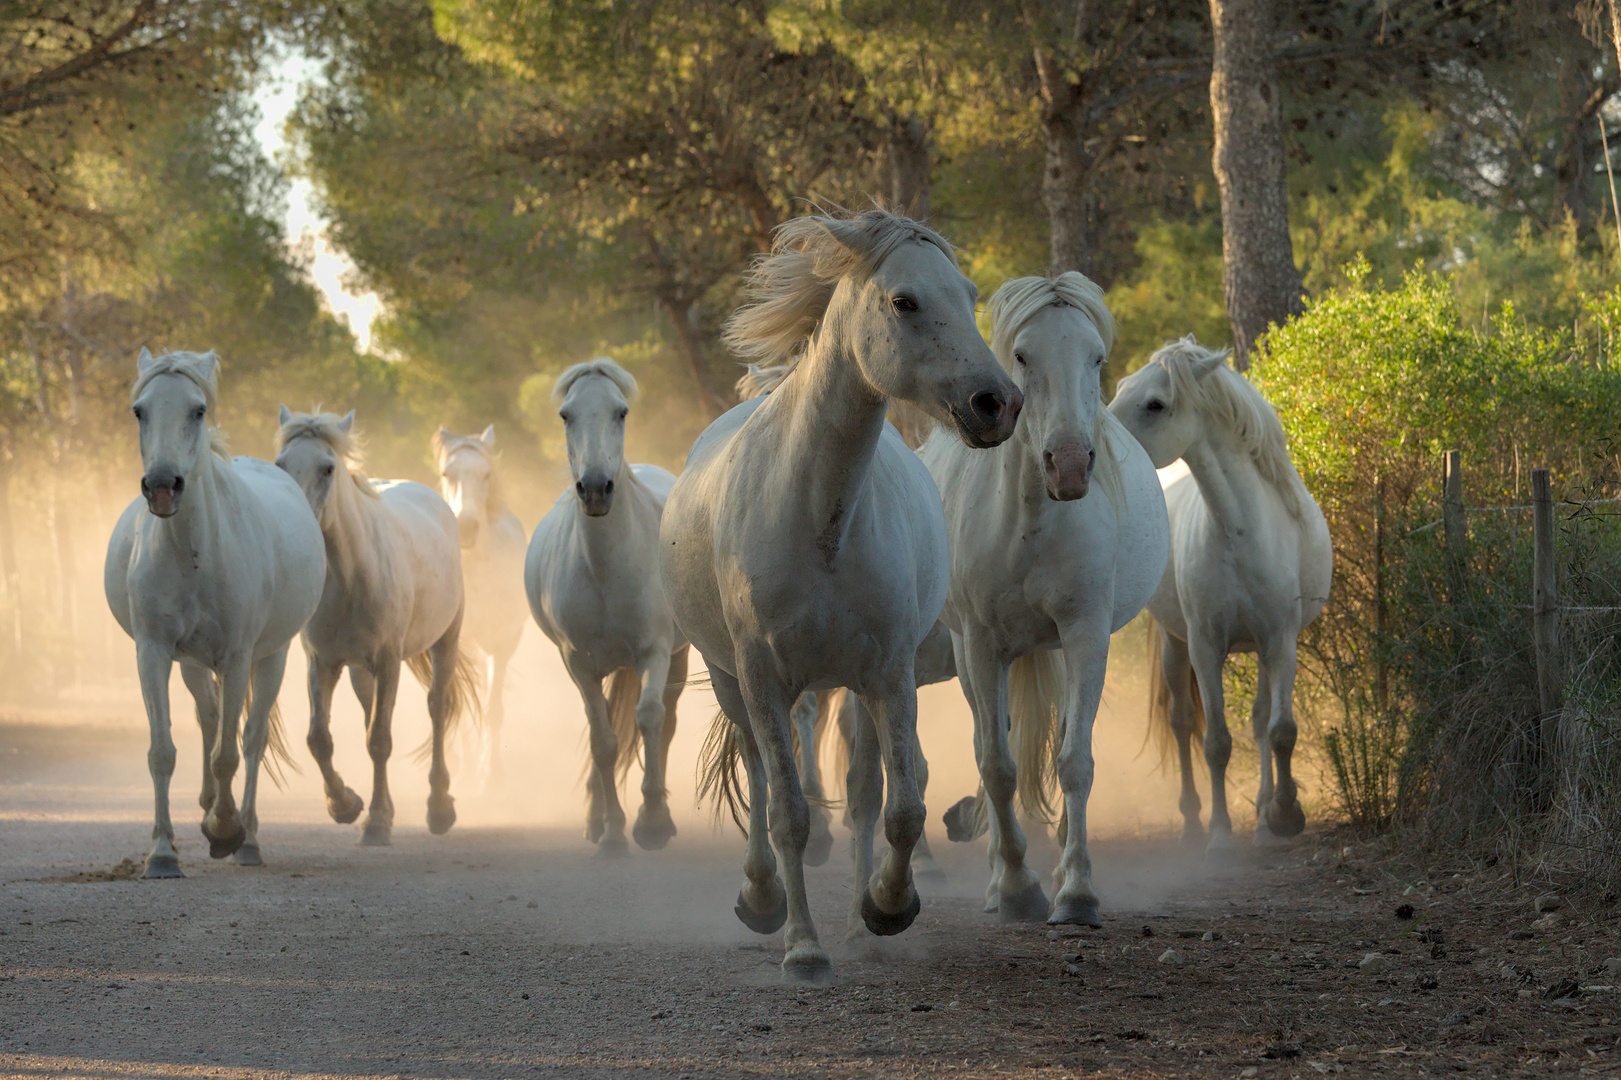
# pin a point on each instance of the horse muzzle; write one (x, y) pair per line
(990, 417)
(596, 492)
(162, 493)
(468, 529)
(1068, 470)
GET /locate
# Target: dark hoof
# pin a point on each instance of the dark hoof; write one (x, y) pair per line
(346, 808)
(815, 970)
(653, 831)
(1193, 835)
(441, 814)
(221, 846)
(1285, 821)
(613, 846)
(960, 821)
(1027, 906)
(376, 834)
(819, 848)
(247, 855)
(769, 923)
(1082, 912)
(881, 922)
(162, 866)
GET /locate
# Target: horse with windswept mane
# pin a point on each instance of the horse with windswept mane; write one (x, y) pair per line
(218, 566)
(803, 547)
(1043, 570)
(591, 575)
(1250, 568)
(393, 596)
(493, 545)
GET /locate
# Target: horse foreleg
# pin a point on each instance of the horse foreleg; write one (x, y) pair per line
(1207, 660)
(223, 825)
(267, 675)
(153, 661)
(803, 718)
(441, 690)
(1282, 813)
(924, 868)
(205, 694)
(385, 679)
(495, 715)
(342, 802)
(1086, 657)
(605, 818)
(762, 904)
(654, 827)
(1177, 673)
(864, 793)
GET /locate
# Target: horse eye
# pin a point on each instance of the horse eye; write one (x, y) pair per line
(326, 470)
(563, 416)
(139, 413)
(199, 412)
(904, 304)
(1019, 356)
(1155, 405)
(621, 414)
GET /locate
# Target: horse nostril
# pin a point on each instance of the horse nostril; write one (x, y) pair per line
(579, 488)
(1091, 459)
(608, 488)
(179, 482)
(987, 405)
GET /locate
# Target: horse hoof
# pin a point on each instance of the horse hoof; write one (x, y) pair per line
(1285, 821)
(882, 923)
(807, 966)
(768, 923)
(1082, 912)
(247, 855)
(221, 846)
(345, 809)
(441, 814)
(959, 820)
(162, 866)
(819, 848)
(1193, 835)
(594, 830)
(613, 846)
(1027, 905)
(377, 834)
(653, 831)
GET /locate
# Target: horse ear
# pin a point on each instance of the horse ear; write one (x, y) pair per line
(210, 364)
(488, 438)
(1204, 366)
(285, 417)
(347, 422)
(145, 360)
(847, 234)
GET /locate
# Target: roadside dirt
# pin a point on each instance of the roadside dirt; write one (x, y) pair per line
(505, 951)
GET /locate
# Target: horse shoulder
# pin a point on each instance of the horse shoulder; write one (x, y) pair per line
(116, 570)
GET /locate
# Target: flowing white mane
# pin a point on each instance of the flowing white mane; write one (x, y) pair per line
(447, 446)
(328, 428)
(603, 366)
(758, 380)
(202, 369)
(1229, 399)
(790, 288)
(1022, 299)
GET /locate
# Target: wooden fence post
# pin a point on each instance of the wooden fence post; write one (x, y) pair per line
(1545, 612)
(1453, 523)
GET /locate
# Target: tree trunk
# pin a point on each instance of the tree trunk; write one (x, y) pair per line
(689, 344)
(1068, 175)
(1259, 278)
(906, 163)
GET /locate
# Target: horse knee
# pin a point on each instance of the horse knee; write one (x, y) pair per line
(1282, 734)
(1218, 747)
(903, 824)
(1077, 766)
(1000, 778)
(379, 743)
(790, 823)
(160, 760)
(319, 741)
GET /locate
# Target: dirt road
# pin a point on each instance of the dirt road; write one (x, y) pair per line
(510, 951)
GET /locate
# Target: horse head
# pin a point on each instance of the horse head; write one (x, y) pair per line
(593, 400)
(172, 399)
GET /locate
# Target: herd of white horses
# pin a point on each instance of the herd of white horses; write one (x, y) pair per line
(819, 562)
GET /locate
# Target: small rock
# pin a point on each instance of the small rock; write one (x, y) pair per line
(1211, 935)
(512, 898)
(1073, 957)
(1072, 970)
(1410, 891)
(1373, 963)
(1520, 935)
(1455, 1019)
(1252, 1071)
(1404, 911)
(1548, 902)
(1432, 934)
(1612, 966)
(1052, 935)
(921, 1007)
(524, 996)
(1551, 921)
(531, 904)
(1172, 957)
(1426, 982)
(1438, 952)
(1148, 931)
(1189, 934)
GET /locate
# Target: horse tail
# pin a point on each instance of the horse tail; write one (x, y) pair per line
(718, 763)
(1035, 726)
(1160, 697)
(833, 736)
(624, 694)
(464, 690)
(277, 756)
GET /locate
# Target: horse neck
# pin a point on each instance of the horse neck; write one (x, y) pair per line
(1024, 483)
(347, 525)
(609, 539)
(195, 528)
(832, 421)
(1230, 482)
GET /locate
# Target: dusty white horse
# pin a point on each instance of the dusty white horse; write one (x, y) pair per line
(1043, 570)
(804, 548)
(1250, 568)
(593, 584)
(393, 596)
(217, 566)
(493, 544)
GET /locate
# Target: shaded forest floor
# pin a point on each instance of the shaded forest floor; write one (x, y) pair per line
(497, 952)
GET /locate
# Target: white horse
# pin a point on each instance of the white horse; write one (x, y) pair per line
(1041, 575)
(217, 566)
(804, 548)
(493, 546)
(593, 584)
(1250, 568)
(393, 595)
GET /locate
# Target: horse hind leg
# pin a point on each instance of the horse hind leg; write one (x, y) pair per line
(442, 699)
(1207, 662)
(762, 903)
(864, 793)
(223, 824)
(266, 678)
(1177, 671)
(803, 719)
(343, 804)
(1282, 813)
(654, 826)
(924, 868)
(605, 817)
(384, 681)
(204, 690)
